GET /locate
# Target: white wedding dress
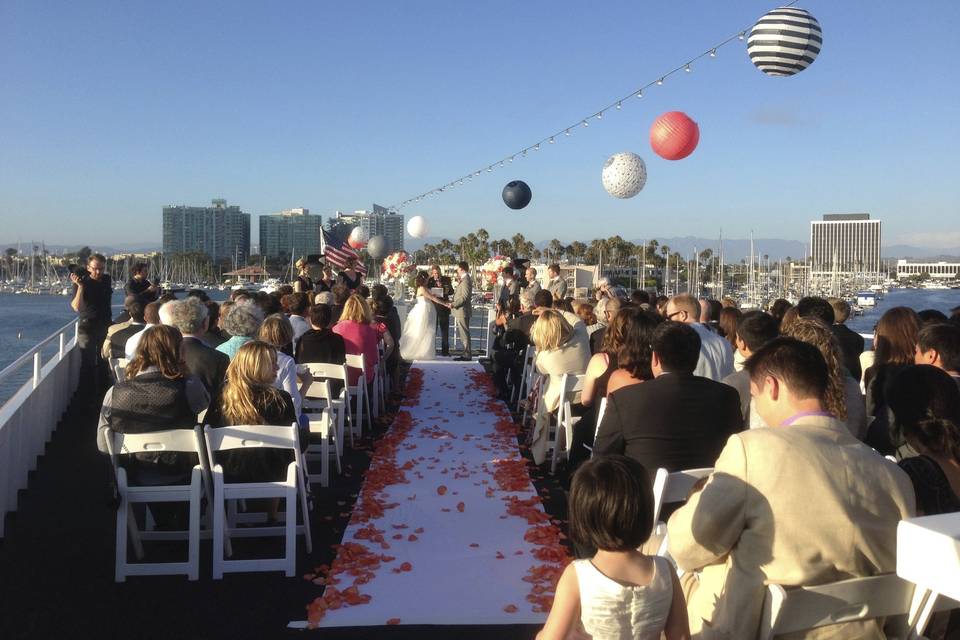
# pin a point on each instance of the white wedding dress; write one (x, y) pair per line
(417, 341)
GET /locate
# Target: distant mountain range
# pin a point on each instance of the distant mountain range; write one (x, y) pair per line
(734, 249)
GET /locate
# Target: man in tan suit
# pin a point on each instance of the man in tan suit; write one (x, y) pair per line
(799, 503)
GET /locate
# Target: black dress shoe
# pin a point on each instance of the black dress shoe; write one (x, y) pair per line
(462, 359)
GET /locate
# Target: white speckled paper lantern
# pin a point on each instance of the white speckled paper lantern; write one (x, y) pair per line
(358, 238)
(624, 174)
(417, 226)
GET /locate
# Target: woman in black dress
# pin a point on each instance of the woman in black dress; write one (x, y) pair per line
(350, 277)
(304, 282)
(326, 281)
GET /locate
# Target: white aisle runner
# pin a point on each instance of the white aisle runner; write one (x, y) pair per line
(442, 543)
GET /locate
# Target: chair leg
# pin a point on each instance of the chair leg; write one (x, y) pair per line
(291, 530)
(219, 531)
(307, 535)
(193, 541)
(123, 511)
(325, 458)
(134, 533)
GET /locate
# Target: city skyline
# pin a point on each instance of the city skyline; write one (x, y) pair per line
(121, 110)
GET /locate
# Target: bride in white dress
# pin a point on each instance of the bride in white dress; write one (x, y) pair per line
(417, 341)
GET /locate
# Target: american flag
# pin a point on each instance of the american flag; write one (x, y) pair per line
(339, 254)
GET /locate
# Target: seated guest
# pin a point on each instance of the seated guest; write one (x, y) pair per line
(753, 331)
(116, 343)
(605, 314)
(894, 348)
(678, 420)
(151, 318)
(801, 503)
(122, 321)
(391, 319)
(620, 592)
(215, 336)
(250, 397)
(779, 308)
(789, 317)
(564, 304)
(585, 312)
(640, 297)
(158, 394)
(939, 344)
(242, 322)
(277, 332)
(340, 294)
(931, 316)
(324, 297)
(926, 415)
(727, 328)
(189, 316)
(636, 352)
(716, 355)
(359, 336)
(296, 305)
(625, 360)
(843, 398)
(851, 342)
(320, 344)
(562, 347)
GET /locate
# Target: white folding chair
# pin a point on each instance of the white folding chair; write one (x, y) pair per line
(790, 610)
(601, 409)
(317, 399)
(119, 368)
(673, 487)
(572, 384)
(524, 403)
(524, 387)
(316, 396)
(254, 437)
(382, 382)
(360, 392)
(174, 440)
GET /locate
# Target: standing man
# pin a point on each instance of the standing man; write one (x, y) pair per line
(557, 285)
(92, 289)
(462, 311)
(533, 287)
(510, 287)
(138, 284)
(441, 282)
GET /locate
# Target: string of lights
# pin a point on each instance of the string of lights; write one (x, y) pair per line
(616, 105)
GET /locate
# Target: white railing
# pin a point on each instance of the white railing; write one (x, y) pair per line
(481, 328)
(29, 417)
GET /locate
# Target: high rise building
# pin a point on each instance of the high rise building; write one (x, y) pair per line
(221, 232)
(845, 244)
(379, 222)
(292, 232)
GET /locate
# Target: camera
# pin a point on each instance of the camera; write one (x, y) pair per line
(79, 271)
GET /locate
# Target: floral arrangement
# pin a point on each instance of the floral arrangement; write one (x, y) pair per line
(492, 267)
(398, 264)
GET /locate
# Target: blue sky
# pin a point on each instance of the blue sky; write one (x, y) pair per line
(112, 110)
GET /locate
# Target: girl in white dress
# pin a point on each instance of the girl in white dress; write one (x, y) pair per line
(620, 593)
(420, 328)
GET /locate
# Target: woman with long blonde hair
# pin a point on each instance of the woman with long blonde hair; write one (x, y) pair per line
(277, 331)
(250, 397)
(844, 399)
(360, 336)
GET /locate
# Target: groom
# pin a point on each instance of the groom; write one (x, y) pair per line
(460, 306)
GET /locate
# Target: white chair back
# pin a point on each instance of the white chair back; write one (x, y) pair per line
(674, 487)
(572, 385)
(362, 393)
(790, 610)
(170, 440)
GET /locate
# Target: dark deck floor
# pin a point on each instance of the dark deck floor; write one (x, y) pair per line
(57, 564)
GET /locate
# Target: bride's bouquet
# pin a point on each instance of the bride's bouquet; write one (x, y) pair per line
(492, 267)
(398, 264)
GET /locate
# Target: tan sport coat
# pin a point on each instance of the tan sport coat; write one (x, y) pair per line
(804, 504)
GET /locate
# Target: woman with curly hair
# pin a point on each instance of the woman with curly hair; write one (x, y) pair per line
(241, 321)
(844, 399)
(158, 394)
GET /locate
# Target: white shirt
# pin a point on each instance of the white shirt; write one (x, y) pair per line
(130, 349)
(716, 355)
(287, 379)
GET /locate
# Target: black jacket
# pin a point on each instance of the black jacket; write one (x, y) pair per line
(851, 343)
(676, 421)
(206, 363)
(118, 341)
(321, 345)
(447, 288)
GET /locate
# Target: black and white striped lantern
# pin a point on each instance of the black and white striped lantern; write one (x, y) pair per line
(784, 41)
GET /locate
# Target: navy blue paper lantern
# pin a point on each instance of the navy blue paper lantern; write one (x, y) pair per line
(517, 194)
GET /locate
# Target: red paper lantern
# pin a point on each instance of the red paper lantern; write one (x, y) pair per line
(674, 135)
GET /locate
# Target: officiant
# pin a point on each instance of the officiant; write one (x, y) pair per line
(440, 286)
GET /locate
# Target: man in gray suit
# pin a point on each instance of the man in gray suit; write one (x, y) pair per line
(556, 285)
(462, 310)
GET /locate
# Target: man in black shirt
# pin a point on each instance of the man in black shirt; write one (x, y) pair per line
(139, 286)
(91, 301)
(441, 282)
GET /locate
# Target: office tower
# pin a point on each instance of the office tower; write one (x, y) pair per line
(292, 232)
(221, 232)
(379, 222)
(845, 244)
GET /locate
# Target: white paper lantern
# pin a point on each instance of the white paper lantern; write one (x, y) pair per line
(624, 174)
(358, 238)
(417, 226)
(784, 41)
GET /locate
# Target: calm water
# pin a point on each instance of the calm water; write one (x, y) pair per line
(25, 320)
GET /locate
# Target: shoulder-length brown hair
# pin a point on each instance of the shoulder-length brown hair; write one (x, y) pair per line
(895, 339)
(159, 347)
